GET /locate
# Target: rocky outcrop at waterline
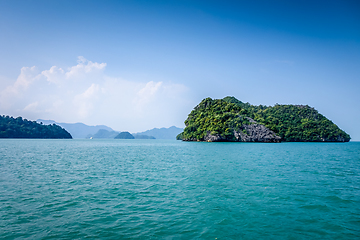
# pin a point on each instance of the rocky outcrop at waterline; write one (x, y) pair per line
(250, 133)
(256, 133)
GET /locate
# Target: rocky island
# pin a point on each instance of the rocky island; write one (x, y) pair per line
(230, 120)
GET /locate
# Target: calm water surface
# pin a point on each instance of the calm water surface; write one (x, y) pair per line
(153, 189)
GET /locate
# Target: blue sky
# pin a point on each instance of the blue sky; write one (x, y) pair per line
(135, 65)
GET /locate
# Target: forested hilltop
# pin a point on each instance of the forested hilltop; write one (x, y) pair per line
(22, 128)
(229, 119)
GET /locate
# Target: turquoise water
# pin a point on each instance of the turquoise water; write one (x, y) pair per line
(153, 189)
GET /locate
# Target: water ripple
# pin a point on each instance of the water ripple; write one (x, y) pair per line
(75, 189)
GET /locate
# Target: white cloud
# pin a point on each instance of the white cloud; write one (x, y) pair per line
(146, 94)
(54, 74)
(27, 76)
(31, 107)
(84, 67)
(83, 93)
(84, 101)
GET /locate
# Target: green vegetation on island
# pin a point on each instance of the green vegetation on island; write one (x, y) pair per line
(180, 136)
(229, 119)
(22, 128)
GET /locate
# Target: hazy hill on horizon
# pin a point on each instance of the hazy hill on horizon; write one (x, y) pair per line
(77, 130)
(162, 133)
(81, 130)
(103, 133)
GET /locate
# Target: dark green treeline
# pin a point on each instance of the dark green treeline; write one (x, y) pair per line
(22, 128)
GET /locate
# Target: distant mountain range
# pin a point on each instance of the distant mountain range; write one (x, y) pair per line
(139, 136)
(103, 133)
(163, 133)
(77, 130)
(81, 130)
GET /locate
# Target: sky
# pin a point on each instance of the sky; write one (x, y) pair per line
(136, 65)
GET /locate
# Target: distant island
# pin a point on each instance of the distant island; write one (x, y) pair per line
(230, 120)
(105, 134)
(22, 128)
(81, 130)
(124, 135)
(155, 133)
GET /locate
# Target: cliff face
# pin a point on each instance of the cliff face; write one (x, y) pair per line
(256, 133)
(250, 133)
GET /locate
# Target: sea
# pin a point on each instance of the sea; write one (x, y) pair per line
(168, 189)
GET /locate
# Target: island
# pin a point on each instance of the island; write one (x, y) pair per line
(124, 135)
(230, 120)
(22, 128)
